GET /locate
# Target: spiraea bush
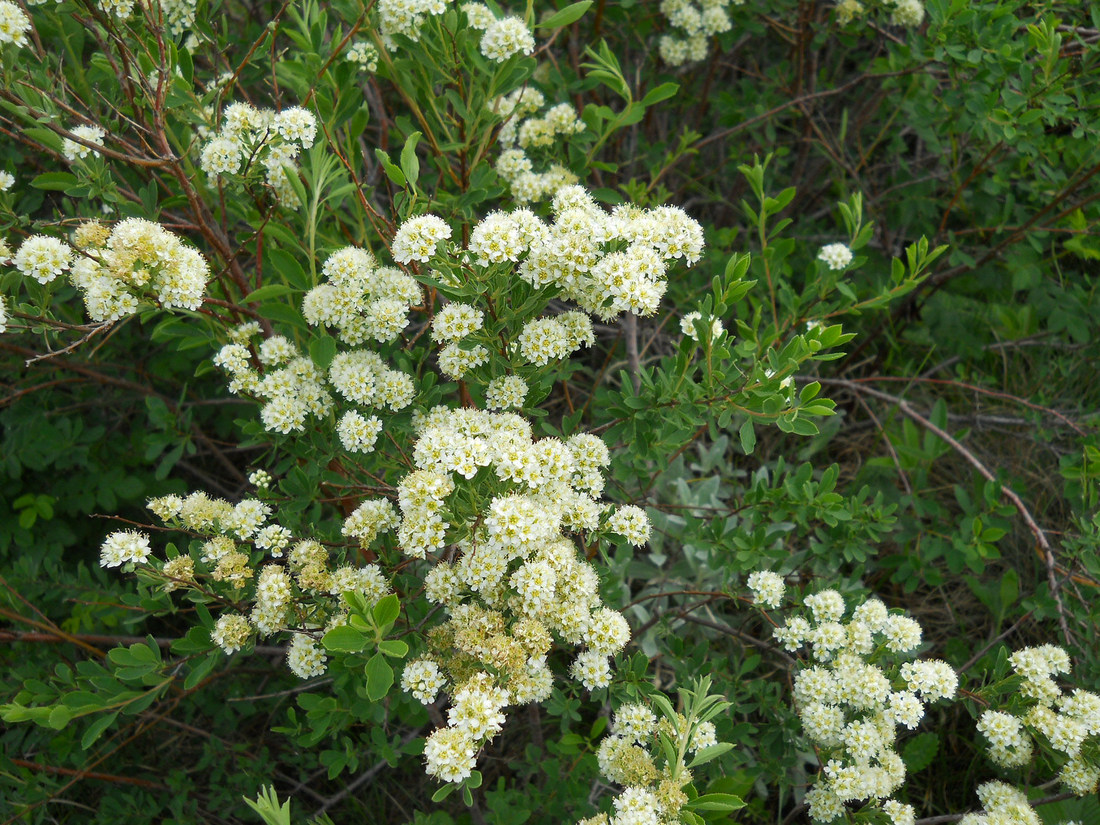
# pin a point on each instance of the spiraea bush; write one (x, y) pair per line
(625, 413)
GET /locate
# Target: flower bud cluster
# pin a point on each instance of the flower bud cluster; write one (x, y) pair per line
(274, 139)
(853, 700)
(632, 756)
(299, 591)
(523, 132)
(135, 259)
(1064, 722)
(364, 55)
(695, 23)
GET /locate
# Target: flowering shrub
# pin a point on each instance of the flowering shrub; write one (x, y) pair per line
(441, 380)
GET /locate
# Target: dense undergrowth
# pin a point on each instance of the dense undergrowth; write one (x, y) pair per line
(505, 371)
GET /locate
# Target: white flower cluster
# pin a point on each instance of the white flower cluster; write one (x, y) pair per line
(907, 13)
(364, 55)
(179, 16)
(136, 258)
(418, 239)
(274, 139)
(687, 326)
(405, 17)
(523, 132)
(361, 300)
(301, 589)
(7, 181)
(72, 150)
(630, 756)
(14, 24)
(767, 588)
(850, 707)
(125, 546)
(835, 255)
(121, 9)
(293, 391)
(696, 22)
(1063, 721)
(1003, 804)
(608, 263)
(503, 37)
(43, 258)
(505, 503)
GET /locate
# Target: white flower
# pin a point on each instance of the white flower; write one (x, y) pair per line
(506, 392)
(357, 432)
(423, 680)
(418, 238)
(7, 180)
(687, 326)
(908, 13)
(14, 24)
(449, 754)
(297, 125)
(305, 658)
(767, 588)
(835, 255)
(231, 632)
(631, 523)
(72, 150)
(124, 546)
(43, 258)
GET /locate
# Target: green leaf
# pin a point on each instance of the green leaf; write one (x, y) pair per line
(393, 647)
(474, 779)
(443, 793)
(60, 716)
(344, 639)
(410, 163)
(200, 671)
(920, 751)
(322, 350)
(662, 92)
(95, 730)
(284, 313)
(379, 677)
(711, 752)
(748, 437)
(570, 14)
(392, 171)
(387, 610)
(723, 802)
(54, 181)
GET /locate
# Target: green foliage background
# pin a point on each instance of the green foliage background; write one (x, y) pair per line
(960, 394)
